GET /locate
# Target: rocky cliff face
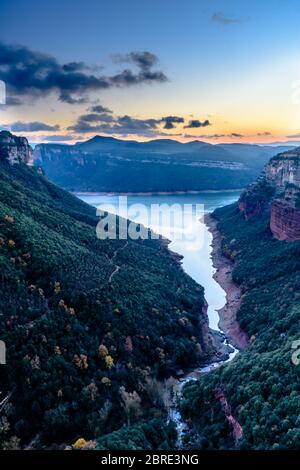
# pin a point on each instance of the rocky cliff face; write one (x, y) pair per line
(285, 221)
(284, 170)
(278, 192)
(14, 149)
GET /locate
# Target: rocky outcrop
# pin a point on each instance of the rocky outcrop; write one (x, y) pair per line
(256, 199)
(284, 170)
(237, 430)
(250, 208)
(14, 149)
(285, 221)
(277, 192)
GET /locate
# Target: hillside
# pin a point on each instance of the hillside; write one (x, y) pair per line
(261, 386)
(105, 164)
(86, 351)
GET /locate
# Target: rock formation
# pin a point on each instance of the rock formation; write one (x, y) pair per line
(14, 149)
(278, 192)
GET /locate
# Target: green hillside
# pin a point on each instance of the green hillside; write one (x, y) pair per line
(85, 349)
(262, 384)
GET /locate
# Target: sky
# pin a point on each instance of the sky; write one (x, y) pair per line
(215, 70)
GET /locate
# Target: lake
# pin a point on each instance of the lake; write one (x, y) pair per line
(188, 233)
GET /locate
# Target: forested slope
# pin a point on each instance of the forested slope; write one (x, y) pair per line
(262, 384)
(85, 350)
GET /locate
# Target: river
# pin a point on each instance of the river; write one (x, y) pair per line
(191, 238)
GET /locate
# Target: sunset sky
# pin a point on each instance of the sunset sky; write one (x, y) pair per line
(220, 71)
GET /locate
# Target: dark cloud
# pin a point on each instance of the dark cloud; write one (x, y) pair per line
(96, 117)
(195, 123)
(144, 60)
(264, 134)
(235, 134)
(74, 66)
(100, 109)
(171, 120)
(220, 17)
(128, 78)
(34, 74)
(204, 136)
(106, 122)
(119, 125)
(36, 126)
(55, 138)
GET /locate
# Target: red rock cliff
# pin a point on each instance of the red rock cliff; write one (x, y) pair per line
(285, 221)
(277, 192)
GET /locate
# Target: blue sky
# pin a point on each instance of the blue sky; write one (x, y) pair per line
(235, 64)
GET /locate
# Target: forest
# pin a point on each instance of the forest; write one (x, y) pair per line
(89, 356)
(262, 383)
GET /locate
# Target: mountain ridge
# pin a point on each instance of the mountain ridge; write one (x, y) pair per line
(105, 164)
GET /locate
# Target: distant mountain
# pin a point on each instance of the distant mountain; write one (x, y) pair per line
(290, 143)
(106, 164)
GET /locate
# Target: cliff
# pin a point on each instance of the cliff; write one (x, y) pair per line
(277, 192)
(284, 170)
(285, 221)
(14, 149)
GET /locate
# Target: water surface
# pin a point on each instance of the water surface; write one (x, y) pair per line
(195, 247)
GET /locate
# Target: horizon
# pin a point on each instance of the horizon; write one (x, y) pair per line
(274, 144)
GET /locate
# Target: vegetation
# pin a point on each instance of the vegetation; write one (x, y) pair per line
(262, 384)
(155, 435)
(84, 351)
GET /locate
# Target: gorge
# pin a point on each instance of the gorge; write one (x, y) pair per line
(94, 329)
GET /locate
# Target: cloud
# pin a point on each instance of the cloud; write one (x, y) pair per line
(100, 109)
(264, 134)
(129, 78)
(35, 126)
(107, 122)
(293, 136)
(235, 134)
(96, 117)
(195, 123)
(221, 18)
(169, 121)
(204, 136)
(145, 60)
(12, 101)
(54, 138)
(29, 73)
(119, 125)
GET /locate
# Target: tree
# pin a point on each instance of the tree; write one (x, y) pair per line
(131, 402)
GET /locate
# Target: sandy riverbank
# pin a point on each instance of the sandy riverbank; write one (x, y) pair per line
(223, 276)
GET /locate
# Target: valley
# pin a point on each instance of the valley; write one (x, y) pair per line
(124, 325)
